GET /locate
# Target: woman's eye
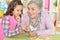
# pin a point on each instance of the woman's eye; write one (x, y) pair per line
(28, 8)
(32, 8)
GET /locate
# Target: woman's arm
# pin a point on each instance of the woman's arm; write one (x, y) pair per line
(25, 22)
(49, 25)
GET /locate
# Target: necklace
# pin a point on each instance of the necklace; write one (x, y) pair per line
(37, 23)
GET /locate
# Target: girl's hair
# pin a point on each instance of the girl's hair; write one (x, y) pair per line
(11, 6)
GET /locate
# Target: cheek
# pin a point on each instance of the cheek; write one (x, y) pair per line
(14, 12)
(34, 12)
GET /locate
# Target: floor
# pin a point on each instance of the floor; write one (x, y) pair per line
(26, 37)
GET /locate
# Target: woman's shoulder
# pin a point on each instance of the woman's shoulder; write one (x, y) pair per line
(45, 14)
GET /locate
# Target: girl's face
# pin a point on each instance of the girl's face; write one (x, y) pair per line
(33, 10)
(17, 10)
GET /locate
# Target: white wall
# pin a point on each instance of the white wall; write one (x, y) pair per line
(53, 10)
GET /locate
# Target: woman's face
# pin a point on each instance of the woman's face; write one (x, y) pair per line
(17, 10)
(33, 10)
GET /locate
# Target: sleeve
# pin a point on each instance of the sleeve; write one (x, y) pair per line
(49, 25)
(5, 24)
(25, 19)
(16, 31)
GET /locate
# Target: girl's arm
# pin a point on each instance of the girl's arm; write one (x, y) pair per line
(6, 25)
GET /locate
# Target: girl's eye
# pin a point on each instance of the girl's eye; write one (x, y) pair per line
(17, 10)
(21, 11)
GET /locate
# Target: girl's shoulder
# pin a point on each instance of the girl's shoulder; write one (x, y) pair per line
(7, 17)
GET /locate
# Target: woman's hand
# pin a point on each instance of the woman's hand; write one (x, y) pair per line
(48, 38)
(25, 28)
(33, 33)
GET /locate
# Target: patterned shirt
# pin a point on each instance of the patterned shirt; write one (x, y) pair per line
(35, 26)
(6, 25)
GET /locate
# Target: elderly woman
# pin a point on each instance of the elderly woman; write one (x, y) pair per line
(37, 23)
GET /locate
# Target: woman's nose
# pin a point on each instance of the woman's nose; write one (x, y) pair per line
(20, 12)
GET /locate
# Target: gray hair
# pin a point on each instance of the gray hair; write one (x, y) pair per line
(39, 3)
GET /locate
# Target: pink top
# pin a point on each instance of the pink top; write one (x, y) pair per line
(1, 31)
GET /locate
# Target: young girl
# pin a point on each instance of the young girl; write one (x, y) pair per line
(12, 19)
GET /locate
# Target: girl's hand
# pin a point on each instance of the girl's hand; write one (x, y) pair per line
(18, 19)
